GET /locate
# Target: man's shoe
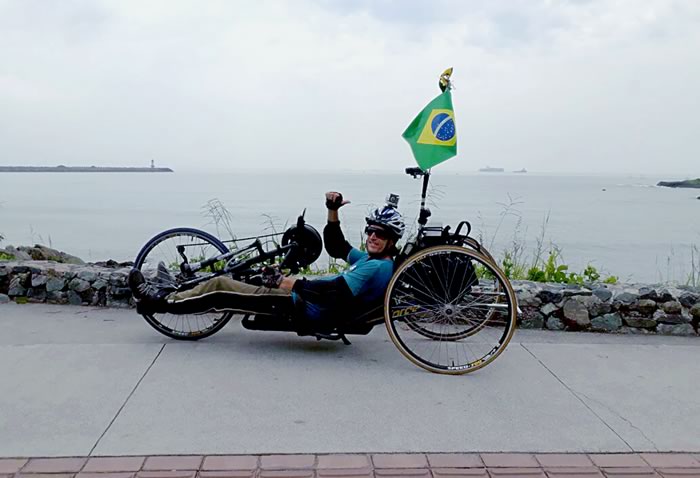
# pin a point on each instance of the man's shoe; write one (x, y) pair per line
(149, 298)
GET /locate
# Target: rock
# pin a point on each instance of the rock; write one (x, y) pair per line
(535, 321)
(596, 306)
(639, 322)
(43, 253)
(528, 299)
(665, 296)
(4, 299)
(644, 306)
(626, 298)
(88, 276)
(99, 284)
(117, 279)
(56, 297)
(680, 329)
(78, 285)
(39, 280)
(689, 299)
(74, 298)
(571, 291)
(607, 323)
(576, 313)
(695, 310)
(672, 307)
(16, 287)
(19, 255)
(550, 296)
(4, 271)
(36, 296)
(648, 293)
(549, 309)
(55, 284)
(664, 318)
(603, 294)
(119, 292)
(554, 323)
(634, 331)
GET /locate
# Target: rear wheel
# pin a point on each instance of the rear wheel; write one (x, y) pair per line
(450, 310)
(172, 248)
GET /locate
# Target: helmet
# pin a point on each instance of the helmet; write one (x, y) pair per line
(388, 218)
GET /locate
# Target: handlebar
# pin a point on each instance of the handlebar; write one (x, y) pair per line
(415, 172)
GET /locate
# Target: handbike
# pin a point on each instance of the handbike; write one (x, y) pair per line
(448, 307)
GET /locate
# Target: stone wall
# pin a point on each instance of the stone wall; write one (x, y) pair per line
(623, 308)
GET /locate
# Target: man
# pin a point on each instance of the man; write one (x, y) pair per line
(321, 302)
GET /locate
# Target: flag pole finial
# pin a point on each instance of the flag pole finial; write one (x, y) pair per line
(445, 83)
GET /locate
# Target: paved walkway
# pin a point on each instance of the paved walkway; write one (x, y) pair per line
(498, 465)
(78, 381)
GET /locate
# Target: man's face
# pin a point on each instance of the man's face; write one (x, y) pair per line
(378, 241)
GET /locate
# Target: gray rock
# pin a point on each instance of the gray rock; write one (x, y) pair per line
(99, 284)
(16, 287)
(535, 321)
(644, 306)
(554, 323)
(39, 280)
(548, 309)
(4, 299)
(56, 297)
(607, 323)
(576, 313)
(571, 291)
(665, 296)
(78, 285)
(117, 279)
(634, 331)
(36, 296)
(74, 298)
(603, 294)
(695, 310)
(88, 276)
(680, 329)
(55, 284)
(596, 306)
(672, 307)
(648, 293)
(550, 296)
(626, 298)
(4, 271)
(689, 299)
(639, 322)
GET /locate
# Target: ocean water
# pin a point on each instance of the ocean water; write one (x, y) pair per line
(623, 225)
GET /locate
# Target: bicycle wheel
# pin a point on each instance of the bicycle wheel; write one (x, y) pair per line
(450, 310)
(171, 248)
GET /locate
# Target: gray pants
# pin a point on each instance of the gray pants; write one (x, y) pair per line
(223, 294)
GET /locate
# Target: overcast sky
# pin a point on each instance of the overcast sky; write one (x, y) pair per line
(560, 86)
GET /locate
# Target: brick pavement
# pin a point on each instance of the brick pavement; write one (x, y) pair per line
(413, 465)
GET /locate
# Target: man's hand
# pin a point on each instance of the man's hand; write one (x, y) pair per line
(334, 201)
(271, 277)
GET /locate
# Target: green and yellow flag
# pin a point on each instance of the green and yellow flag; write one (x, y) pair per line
(432, 134)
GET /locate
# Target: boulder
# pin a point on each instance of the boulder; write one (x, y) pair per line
(626, 298)
(648, 293)
(644, 306)
(672, 307)
(550, 295)
(548, 309)
(555, 323)
(689, 299)
(664, 318)
(78, 285)
(74, 298)
(43, 253)
(607, 323)
(56, 297)
(36, 296)
(88, 276)
(680, 329)
(639, 322)
(576, 313)
(39, 280)
(55, 284)
(99, 284)
(695, 311)
(4, 299)
(603, 294)
(534, 321)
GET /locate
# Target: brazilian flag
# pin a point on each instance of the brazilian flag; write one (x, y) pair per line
(432, 134)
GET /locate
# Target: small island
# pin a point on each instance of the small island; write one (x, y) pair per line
(689, 183)
(83, 169)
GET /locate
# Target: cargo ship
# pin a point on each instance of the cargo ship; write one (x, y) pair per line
(489, 169)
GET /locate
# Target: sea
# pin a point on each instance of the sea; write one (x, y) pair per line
(621, 224)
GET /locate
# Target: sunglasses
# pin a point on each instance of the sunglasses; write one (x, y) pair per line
(381, 233)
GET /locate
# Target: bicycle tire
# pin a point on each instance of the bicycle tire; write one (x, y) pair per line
(450, 287)
(179, 327)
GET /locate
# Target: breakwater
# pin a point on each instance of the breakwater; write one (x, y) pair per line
(618, 308)
(80, 169)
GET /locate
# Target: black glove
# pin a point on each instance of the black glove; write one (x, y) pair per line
(334, 205)
(271, 277)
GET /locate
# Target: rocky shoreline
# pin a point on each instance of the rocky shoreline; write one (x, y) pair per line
(597, 307)
(688, 183)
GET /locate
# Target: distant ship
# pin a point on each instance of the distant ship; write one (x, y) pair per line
(521, 171)
(489, 169)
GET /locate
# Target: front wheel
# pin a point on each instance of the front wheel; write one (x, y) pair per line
(450, 310)
(172, 248)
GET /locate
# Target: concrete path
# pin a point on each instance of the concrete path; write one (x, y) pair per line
(78, 381)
